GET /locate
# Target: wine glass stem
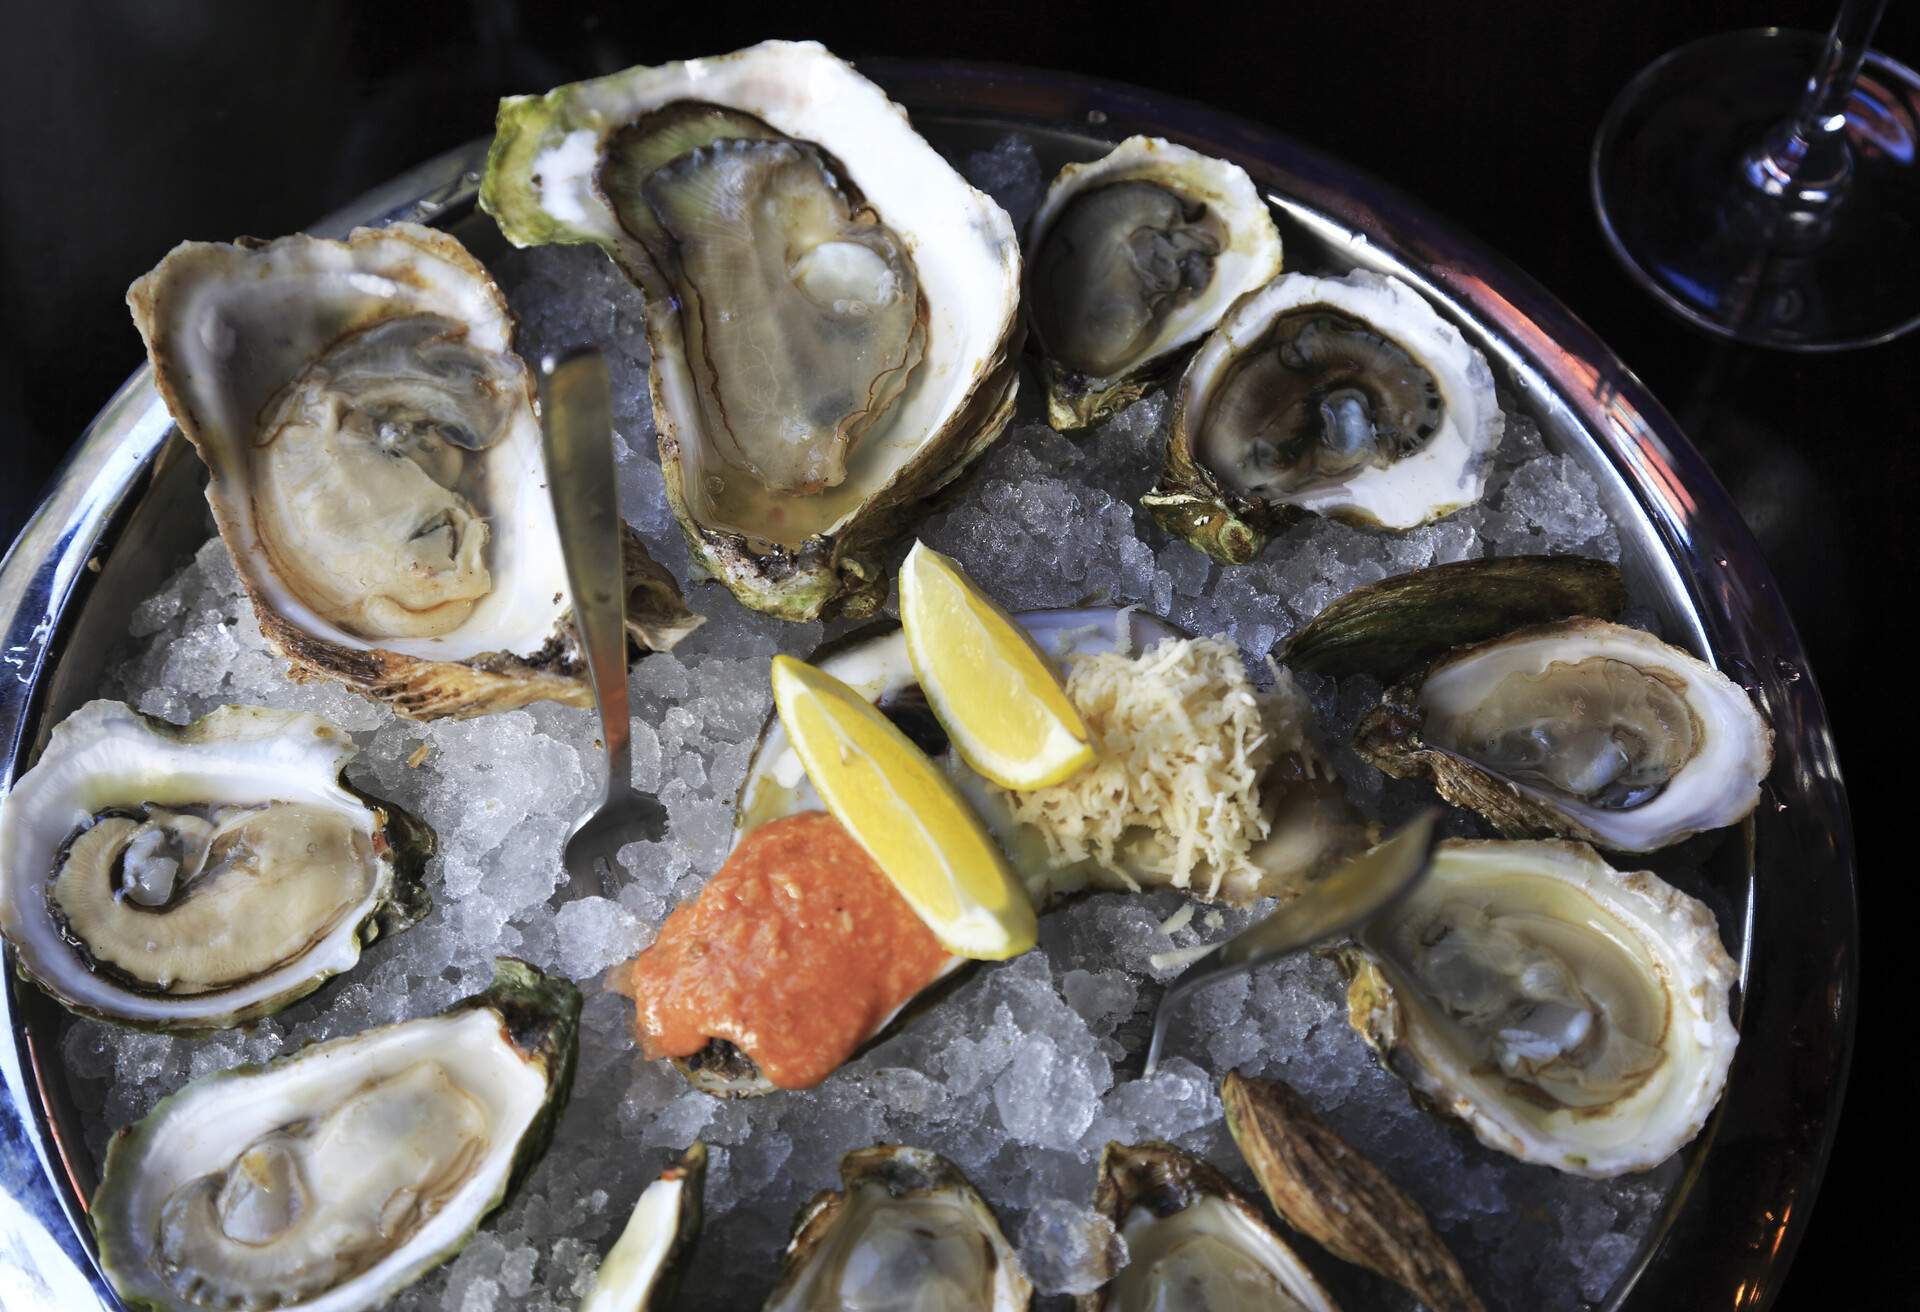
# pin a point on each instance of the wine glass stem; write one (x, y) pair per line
(1806, 161)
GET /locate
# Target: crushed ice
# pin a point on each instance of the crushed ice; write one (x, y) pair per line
(1020, 1077)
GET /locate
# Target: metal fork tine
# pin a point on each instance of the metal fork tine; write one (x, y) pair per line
(1343, 901)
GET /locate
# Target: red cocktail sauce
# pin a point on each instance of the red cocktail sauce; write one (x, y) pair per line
(795, 952)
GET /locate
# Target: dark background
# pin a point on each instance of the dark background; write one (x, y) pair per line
(133, 124)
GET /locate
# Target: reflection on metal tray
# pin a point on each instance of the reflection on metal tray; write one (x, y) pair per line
(126, 507)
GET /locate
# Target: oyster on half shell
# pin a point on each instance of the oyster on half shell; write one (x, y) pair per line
(904, 1230)
(196, 877)
(1571, 1014)
(1345, 397)
(831, 309)
(1194, 1242)
(1578, 729)
(376, 469)
(1132, 259)
(337, 1176)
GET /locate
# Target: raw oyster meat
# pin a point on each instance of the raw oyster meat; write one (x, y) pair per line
(904, 1231)
(1571, 1014)
(196, 877)
(831, 309)
(1578, 729)
(1347, 397)
(337, 1176)
(374, 446)
(1132, 259)
(1194, 1242)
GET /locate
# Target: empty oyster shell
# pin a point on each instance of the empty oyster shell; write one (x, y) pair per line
(376, 466)
(1132, 259)
(1578, 729)
(1327, 1191)
(904, 1230)
(196, 877)
(1571, 1014)
(1391, 628)
(1194, 1242)
(642, 1270)
(1346, 397)
(831, 309)
(337, 1176)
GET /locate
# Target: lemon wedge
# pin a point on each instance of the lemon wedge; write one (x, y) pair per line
(900, 807)
(991, 689)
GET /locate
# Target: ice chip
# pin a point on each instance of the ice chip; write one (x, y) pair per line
(1010, 173)
(1069, 1249)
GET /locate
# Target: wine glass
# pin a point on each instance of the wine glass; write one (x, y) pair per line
(1765, 185)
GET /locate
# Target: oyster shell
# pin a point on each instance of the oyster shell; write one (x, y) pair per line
(1579, 729)
(1571, 1014)
(1346, 397)
(336, 1176)
(1132, 259)
(1391, 628)
(904, 1230)
(376, 466)
(805, 403)
(196, 877)
(1329, 1192)
(1194, 1241)
(642, 1269)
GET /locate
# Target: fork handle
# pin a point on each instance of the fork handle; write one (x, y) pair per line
(578, 431)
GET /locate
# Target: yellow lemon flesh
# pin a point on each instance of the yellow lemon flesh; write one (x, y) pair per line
(900, 807)
(992, 690)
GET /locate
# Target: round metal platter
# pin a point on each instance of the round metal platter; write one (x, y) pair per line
(126, 508)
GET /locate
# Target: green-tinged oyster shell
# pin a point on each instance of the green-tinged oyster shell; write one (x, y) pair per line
(1391, 628)
(788, 477)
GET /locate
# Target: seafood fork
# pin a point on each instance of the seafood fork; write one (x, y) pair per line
(1343, 901)
(577, 423)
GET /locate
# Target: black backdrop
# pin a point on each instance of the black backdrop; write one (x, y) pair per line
(133, 124)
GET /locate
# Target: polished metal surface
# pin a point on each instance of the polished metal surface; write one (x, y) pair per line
(124, 512)
(577, 424)
(1331, 908)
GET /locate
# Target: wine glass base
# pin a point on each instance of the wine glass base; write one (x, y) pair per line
(1665, 175)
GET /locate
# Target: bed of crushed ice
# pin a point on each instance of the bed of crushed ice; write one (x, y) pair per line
(1031, 1067)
